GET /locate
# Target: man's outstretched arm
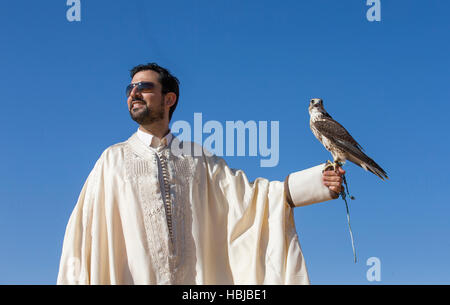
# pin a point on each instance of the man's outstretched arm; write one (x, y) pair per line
(312, 186)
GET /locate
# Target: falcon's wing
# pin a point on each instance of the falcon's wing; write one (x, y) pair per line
(340, 137)
(335, 131)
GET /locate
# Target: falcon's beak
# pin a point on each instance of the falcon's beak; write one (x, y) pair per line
(316, 102)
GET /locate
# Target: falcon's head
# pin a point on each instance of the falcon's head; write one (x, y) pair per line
(316, 105)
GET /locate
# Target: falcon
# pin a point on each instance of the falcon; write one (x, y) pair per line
(338, 141)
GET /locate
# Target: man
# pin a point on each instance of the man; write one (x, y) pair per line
(150, 212)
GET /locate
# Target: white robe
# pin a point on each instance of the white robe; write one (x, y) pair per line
(225, 229)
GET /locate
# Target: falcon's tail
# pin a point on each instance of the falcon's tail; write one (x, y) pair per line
(369, 165)
(357, 156)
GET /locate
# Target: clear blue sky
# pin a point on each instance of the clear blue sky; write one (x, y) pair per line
(387, 82)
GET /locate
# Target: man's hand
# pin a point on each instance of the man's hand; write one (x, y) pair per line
(333, 180)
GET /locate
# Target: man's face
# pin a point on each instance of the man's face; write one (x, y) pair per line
(146, 107)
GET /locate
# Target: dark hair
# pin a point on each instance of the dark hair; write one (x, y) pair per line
(168, 82)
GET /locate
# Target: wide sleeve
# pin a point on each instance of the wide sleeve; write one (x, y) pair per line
(306, 187)
(77, 245)
(263, 246)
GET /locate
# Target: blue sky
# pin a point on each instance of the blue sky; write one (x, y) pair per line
(387, 82)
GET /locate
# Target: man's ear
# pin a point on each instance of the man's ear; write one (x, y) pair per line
(170, 99)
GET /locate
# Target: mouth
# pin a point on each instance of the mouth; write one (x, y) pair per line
(137, 104)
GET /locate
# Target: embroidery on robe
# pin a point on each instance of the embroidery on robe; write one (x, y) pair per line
(172, 261)
(181, 178)
(143, 176)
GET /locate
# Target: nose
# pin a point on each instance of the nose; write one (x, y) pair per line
(134, 92)
(134, 95)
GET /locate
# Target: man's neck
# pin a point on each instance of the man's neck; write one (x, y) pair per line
(158, 131)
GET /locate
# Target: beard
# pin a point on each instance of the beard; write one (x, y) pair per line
(145, 115)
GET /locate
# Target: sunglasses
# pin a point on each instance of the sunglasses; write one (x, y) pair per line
(141, 87)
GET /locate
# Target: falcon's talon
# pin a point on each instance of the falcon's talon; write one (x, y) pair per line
(330, 164)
